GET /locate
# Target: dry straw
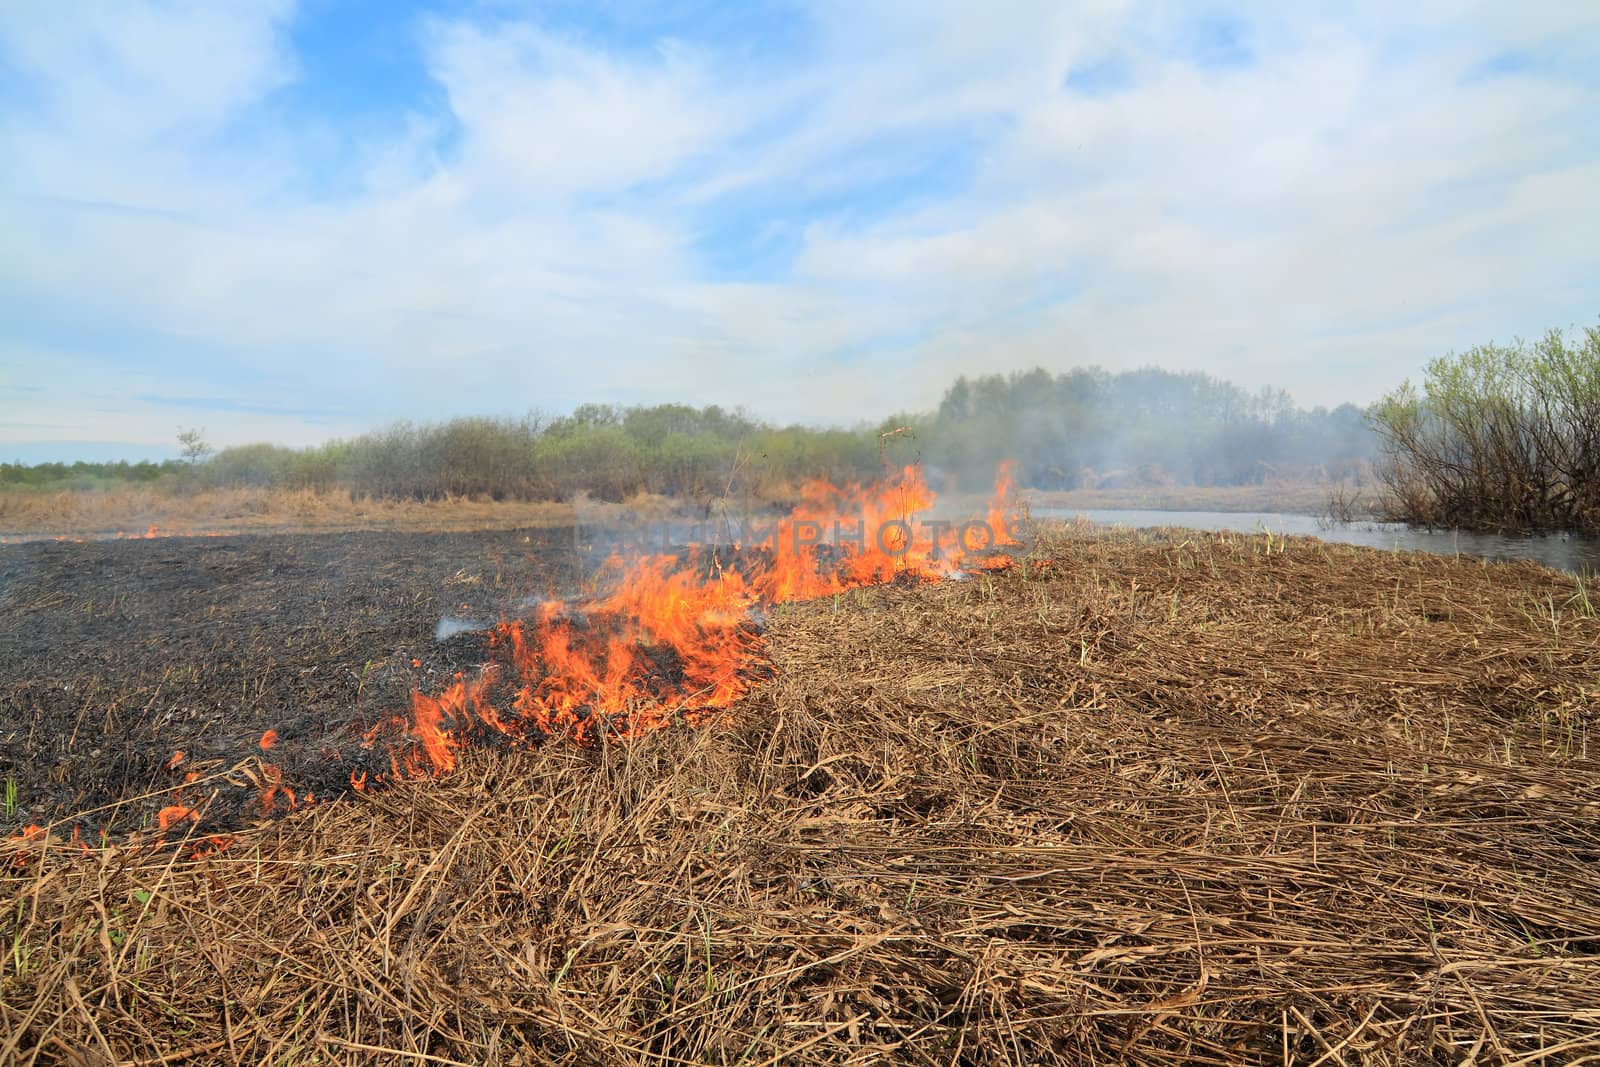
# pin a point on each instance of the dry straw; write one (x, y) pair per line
(134, 512)
(1184, 799)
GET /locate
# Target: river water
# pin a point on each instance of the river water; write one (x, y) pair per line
(1575, 555)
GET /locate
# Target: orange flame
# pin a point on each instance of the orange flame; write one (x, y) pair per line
(1000, 502)
(29, 833)
(211, 845)
(269, 739)
(172, 814)
(272, 787)
(673, 638)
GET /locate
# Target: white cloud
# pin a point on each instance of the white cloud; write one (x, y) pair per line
(1366, 194)
(548, 116)
(1239, 221)
(124, 71)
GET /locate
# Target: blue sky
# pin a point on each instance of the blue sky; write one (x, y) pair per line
(289, 221)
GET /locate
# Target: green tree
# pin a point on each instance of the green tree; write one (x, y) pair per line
(193, 446)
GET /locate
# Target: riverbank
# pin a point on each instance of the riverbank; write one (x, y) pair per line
(1299, 498)
(154, 511)
(1156, 798)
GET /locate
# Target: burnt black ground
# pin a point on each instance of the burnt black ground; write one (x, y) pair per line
(116, 654)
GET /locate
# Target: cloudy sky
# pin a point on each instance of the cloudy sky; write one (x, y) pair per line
(289, 221)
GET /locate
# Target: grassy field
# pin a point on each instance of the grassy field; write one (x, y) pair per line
(1154, 798)
(139, 510)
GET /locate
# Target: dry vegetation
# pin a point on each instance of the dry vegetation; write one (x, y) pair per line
(135, 511)
(1205, 799)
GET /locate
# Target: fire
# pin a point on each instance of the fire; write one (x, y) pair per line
(674, 638)
(173, 814)
(273, 787)
(1005, 492)
(211, 845)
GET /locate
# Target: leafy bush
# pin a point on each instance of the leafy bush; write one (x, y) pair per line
(1502, 437)
(83, 475)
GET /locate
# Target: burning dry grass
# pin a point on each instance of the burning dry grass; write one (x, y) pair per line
(1201, 799)
(162, 512)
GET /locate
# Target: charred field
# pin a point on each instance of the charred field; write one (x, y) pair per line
(119, 654)
(1162, 797)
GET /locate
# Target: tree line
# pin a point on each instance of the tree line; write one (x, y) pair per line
(1089, 428)
(1084, 428)
(1499, 437)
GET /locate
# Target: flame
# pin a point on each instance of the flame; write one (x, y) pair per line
(172, 814)
(269, 739)
(211, 845)
(273, 787)
(1001, 501)
(30, 833)
(673, 638)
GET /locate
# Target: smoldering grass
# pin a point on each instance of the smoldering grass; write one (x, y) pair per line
(450, 625)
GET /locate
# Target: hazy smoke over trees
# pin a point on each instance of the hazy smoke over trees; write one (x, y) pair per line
(1090, 428)
(1084, 428)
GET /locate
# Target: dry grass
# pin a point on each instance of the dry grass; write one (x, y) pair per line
(134, 511)
(1208, 800)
